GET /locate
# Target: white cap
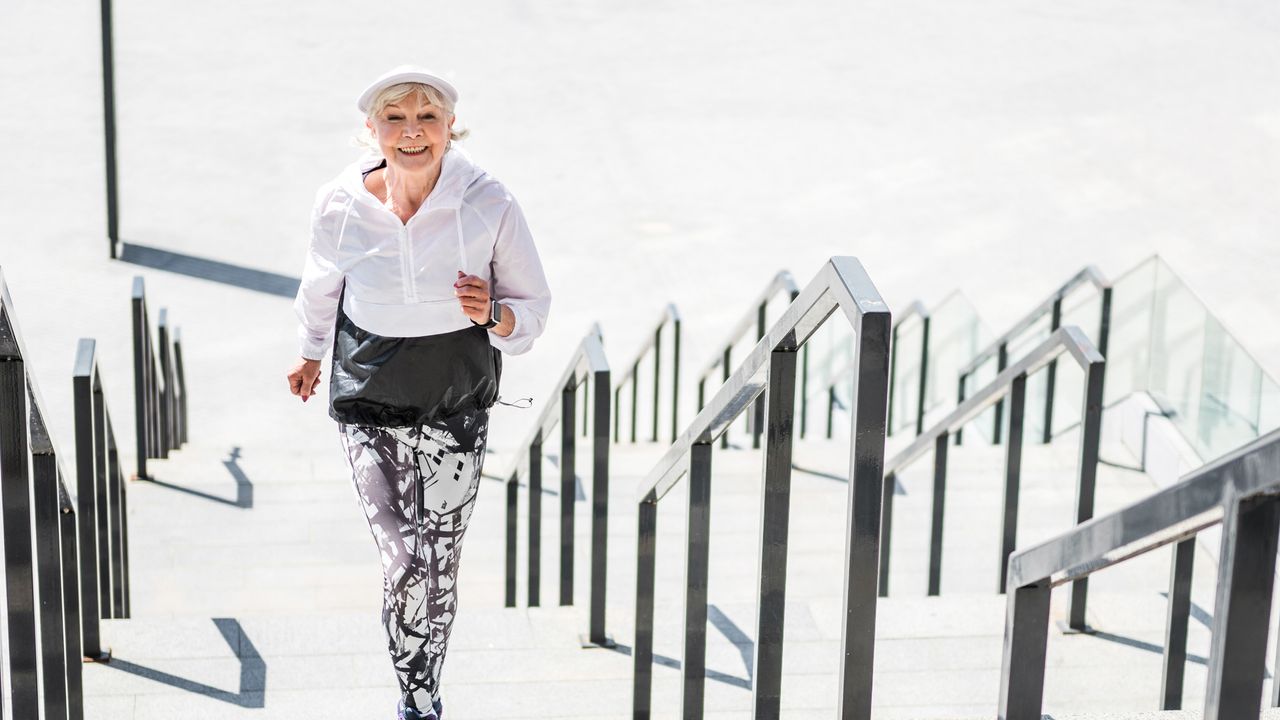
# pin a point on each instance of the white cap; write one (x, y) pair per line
(404, 74)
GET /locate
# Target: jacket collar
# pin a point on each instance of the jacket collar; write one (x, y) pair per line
(456, 174)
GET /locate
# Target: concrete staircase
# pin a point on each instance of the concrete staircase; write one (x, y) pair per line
(272, 610)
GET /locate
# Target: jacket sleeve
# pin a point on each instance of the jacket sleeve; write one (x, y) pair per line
(518, 282)
(317, 302)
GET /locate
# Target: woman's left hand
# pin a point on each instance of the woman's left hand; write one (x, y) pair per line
(473, 294)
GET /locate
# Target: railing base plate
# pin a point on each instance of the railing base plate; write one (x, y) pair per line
(1066, 629)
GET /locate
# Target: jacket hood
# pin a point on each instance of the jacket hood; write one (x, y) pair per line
(457, 173)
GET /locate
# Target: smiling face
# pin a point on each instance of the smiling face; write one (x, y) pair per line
(412, 133)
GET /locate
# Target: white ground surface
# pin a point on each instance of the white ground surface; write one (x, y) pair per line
(665, 152)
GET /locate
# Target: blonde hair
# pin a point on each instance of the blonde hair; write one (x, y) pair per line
(395, 93)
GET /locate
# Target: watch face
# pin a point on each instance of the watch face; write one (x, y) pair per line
(496, 312)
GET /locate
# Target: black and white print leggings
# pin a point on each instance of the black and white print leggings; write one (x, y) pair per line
(418, 487)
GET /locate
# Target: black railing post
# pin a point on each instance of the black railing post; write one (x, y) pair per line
(103, 507)
(142, 379)
(939, 504)
(1012, 477)
(1051, 375)
(513, 491)
(1002, 361)
(924, 376)
(635, 398)
(862, 541)
(657, 379)
(775, 514)
(646, 560)
(617, 408)
(180, 381)
(675, 380)
(694, 661)
(804, 391)
(109, 125)
(893, 379)
(1090, 439)
(121, 514)
(1238, 649)
(568, 487)
(724, 377)
(1026, 640)
(599, 509)
(47, 509)
(535, 521)
(831, 411)
(88, 464)
(71, 595)
(886, 529)
(1175, 633)
(757, 416)
(15, 494)
(167, 390)
(960, 401)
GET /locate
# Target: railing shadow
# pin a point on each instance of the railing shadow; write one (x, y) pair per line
(253, 670)
(735, 635)
(212, 270)
(244, 486)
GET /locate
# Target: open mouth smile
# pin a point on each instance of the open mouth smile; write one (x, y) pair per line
(413, 150)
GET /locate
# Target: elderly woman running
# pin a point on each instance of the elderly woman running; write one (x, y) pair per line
(420, 269)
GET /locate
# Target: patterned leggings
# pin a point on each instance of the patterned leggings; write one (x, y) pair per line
(418, 487)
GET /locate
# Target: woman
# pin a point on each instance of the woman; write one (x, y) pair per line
(420, 269)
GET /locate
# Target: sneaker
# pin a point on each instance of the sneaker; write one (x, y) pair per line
(408, 713)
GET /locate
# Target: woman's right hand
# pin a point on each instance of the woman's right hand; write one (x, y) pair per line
(304, 378)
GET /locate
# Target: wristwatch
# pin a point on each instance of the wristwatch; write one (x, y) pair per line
(495, 315)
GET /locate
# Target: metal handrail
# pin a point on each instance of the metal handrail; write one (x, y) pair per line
(160, 393)
(39, 543)
(782, 282)
(1242, 492)
(769, 370)
(670, 317)
(1012, 382)
(999, 348)
(588, 362)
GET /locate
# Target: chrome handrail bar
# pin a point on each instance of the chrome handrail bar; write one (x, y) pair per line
(1242, 492)
(1069, 340)
(769, 371)
(39, 543)
(1052, 305)
(781, 282)
(588, 362)
(670, 316)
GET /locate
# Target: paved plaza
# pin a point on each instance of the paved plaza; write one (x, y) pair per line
(664, 152)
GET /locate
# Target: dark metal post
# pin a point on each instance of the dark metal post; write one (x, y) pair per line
(121, 514)
(599, 510)
(88, 463)
(1246, 573)
(141, 375)
(657, 378)
(167, 391)
(115, 507)
(960, 399)
(513, 491)
(15, 494)
(635, 397)
(804, 390)
(886, 529)
(1026, 639)
(646, 549)
(535, 520)
(53, 648)
(775, 514)
(109, 123)
(1012, 476)
(71, 605)
(862, 540)
(1051, 375)
(1090, 439)
(924, 377)
(617, 408)
(724, 364)
(180, 379)
(568, 487)
(893, 379)
(694, 662)
(1175, 634)
(103, 505)
(675, 381)
(1002, 361)
(586, 409)
(757, 415)
(939, 503)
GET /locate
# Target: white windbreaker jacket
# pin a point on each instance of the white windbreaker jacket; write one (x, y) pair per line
(400, 276)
